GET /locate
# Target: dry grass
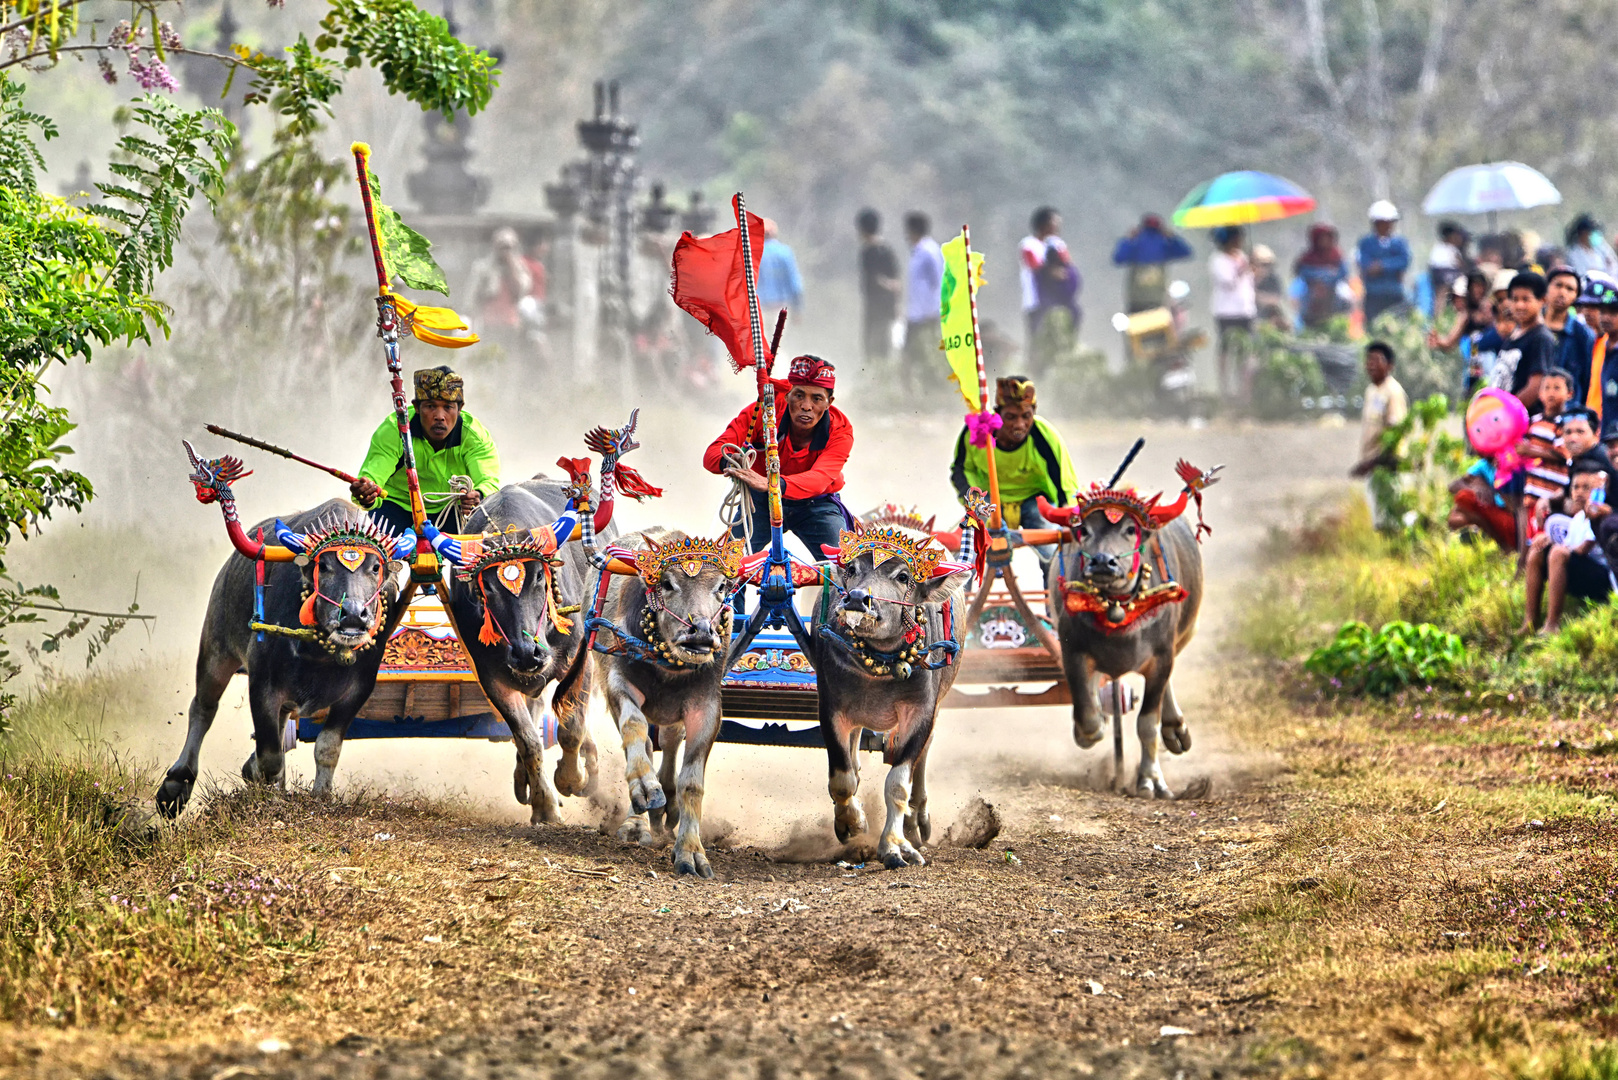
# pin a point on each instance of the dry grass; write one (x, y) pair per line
(1443, 900)
(256, 908)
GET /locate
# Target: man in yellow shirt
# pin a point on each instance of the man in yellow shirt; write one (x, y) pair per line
(1030, 460)
(448, 442)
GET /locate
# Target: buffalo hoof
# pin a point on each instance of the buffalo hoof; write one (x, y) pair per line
(1176, 736)
(665, 818)
(519, 784)
(545, 812)
(637, 830)
(692, 864)
(901, 855)
(569, 777)
(172, 796)
(849, 821)
(919, 829)
(1086, 737)
(253, 772)
(645, 794)
(1152, 787)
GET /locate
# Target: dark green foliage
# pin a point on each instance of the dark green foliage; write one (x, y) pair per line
(1388, 660)
(299, 89)
(188, 154)
(414, 50)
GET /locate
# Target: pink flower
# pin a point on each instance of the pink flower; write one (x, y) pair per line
(169, 36)
(152, 76)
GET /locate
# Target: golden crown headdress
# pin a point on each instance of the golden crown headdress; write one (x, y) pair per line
(688, 554)
(922, 556)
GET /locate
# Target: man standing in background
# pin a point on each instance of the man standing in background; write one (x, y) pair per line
(879, 287)
(779, 283)
(1383, 259)
(1049, 278)
(1146, 253)
(924, 280)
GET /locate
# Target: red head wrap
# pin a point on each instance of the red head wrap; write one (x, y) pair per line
(811, 371)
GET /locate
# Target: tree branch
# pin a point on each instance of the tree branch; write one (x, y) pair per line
(1315, 26)
(80, 611)
(224, 58)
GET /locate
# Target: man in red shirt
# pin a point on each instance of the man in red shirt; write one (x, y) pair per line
(814, 439)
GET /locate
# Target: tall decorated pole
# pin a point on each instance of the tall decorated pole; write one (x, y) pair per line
(983, 376)
(766, 388)
(398, 250)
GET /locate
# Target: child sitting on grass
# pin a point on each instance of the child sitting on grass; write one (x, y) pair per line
(1478, 504)
(1576, 432)
(1542, 446)
(1565, 559)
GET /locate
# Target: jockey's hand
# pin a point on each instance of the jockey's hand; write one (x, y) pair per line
(756, 481)
(365, 492)
(470, 501)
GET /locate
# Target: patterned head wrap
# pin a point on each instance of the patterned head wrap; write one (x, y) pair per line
(439, 384)
(1013, 390)
(812, 371)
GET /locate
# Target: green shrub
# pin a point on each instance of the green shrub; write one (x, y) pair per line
(1390, 659)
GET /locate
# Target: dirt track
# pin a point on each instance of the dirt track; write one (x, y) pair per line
(561, 951)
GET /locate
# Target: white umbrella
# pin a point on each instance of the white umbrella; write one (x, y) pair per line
(1485, 189)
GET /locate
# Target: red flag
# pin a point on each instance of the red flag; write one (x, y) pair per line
(709, 283)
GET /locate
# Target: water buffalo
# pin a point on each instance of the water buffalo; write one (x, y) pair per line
(1130, 577)
(510, 605)
(338, 604)
(874, 661)
(672, 625)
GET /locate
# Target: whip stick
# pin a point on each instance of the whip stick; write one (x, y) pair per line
(425, 567)
(766, 389)
(1128, 458)
(282, 452)
(983, 378)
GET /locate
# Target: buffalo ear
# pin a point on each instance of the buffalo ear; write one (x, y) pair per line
(944, 586)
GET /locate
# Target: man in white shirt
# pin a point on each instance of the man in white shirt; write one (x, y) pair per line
(1234, 301)
(1386, 406)
(923, 280)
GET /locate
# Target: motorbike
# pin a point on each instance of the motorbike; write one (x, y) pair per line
(1161, 341)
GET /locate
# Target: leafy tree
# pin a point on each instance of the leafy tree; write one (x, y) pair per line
(73, 281)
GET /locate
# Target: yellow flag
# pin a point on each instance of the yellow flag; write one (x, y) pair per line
(955, 317)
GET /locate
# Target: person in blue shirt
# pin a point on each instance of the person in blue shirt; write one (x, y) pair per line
(779, 283)
(1383, 259)
(1575, 339)
(1146, 252)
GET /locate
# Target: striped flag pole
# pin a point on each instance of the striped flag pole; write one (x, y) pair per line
(983, 377)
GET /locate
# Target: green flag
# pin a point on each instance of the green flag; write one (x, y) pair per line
(955, 317)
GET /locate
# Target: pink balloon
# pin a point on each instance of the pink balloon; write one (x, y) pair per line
(1495, 422)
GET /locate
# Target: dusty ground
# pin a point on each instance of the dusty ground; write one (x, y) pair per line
(455, 945)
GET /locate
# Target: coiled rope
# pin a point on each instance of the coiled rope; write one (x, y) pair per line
(738, 505)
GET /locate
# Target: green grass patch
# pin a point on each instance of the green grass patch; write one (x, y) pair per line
(1338, 570)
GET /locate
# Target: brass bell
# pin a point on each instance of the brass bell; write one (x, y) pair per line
(902, 670)
(1115, 612)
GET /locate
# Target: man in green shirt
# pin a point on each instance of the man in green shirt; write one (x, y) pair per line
(1030, 459)
(448, 442)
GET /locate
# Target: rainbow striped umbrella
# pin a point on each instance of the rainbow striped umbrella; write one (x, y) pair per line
(1241, 198)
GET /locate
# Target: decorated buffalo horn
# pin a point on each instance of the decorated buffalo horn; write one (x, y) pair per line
(1128, 459)
(1061, 515)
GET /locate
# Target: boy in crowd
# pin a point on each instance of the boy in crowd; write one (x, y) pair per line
(1386, 406)
(1576, 431)
(1574, 337)
(1598, 304)
(1566, 560)
(1547, 463)
(1527, 354)
(1489, 343)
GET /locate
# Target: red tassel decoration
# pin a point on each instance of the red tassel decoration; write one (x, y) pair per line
(487, 634)
(306, 614)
